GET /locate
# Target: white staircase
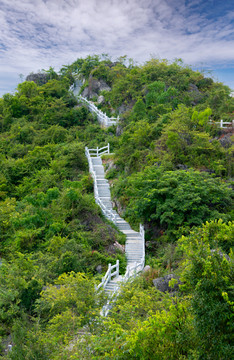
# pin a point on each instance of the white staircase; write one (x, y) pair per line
(135, 241)
(103, 119)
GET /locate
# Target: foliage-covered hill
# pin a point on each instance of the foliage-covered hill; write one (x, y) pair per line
(171, 170)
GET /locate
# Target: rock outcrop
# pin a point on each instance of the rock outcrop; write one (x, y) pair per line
(162, 283)
(95, 87)
(39, 78)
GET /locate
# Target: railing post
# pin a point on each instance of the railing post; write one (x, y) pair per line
(108, 148)
(221, 124)
(97, 151)
(117, 268)
(135, 265)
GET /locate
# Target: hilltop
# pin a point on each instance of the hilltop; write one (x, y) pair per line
(170, 169)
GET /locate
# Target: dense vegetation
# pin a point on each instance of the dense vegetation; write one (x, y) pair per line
(171, 170)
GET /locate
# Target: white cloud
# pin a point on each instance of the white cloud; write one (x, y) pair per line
(36, 34)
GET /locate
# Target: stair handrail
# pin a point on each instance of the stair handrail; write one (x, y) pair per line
(131, 271)
(106, 308)
(99, 152)
(102, 117)
(142, 234)
(221, 123)
(109, 274)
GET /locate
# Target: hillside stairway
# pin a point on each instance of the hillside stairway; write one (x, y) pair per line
(103, 119)
(135, 241)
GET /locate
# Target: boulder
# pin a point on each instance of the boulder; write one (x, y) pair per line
(162, 283)
(193, 88)
(119, 246)
(195, 94)
(100, 99)
(182, 167)
(221, 254)
(99, 269)
(226, 141)
(125, 107)
(39, 78)
(110, 165)
(95, 87)
(85, 92)
(119, 130)
(146, 268)
(119, 207)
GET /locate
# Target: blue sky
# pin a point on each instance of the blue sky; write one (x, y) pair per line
(37, 34)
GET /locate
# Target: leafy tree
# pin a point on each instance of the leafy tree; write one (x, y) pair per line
(170, 199)
(208, 274)
(28, 88)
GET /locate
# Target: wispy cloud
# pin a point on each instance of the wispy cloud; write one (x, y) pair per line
(36, 34)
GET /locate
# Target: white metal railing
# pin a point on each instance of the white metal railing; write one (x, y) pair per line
(221, 123)
(99, 151)
(109, 274)
(131, 271)
(96, 153)
(102, 118)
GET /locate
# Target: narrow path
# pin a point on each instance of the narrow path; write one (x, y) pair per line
(135, 241)
(135, 244)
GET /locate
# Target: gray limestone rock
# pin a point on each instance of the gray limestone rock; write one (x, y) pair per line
(39, 78)
(119, 130)
(194, 94)
(119, 246)
(146, 268)
(95, 87)
(226, 141)
(221, 254)
(162, 283)
(100, 99)
(99, 269)
(182, 167)
(125, 107)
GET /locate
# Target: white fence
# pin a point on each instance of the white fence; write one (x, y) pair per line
(109, 274)
(95, 153)
(130, 273)
(98, 151)
(103, 119)
(222, 124)
(131, 270)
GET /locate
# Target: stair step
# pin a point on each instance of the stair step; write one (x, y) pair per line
(135, 251)
(124, 227)
(133, 233)
(133, 254)
(133, 237)
(133, 245)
